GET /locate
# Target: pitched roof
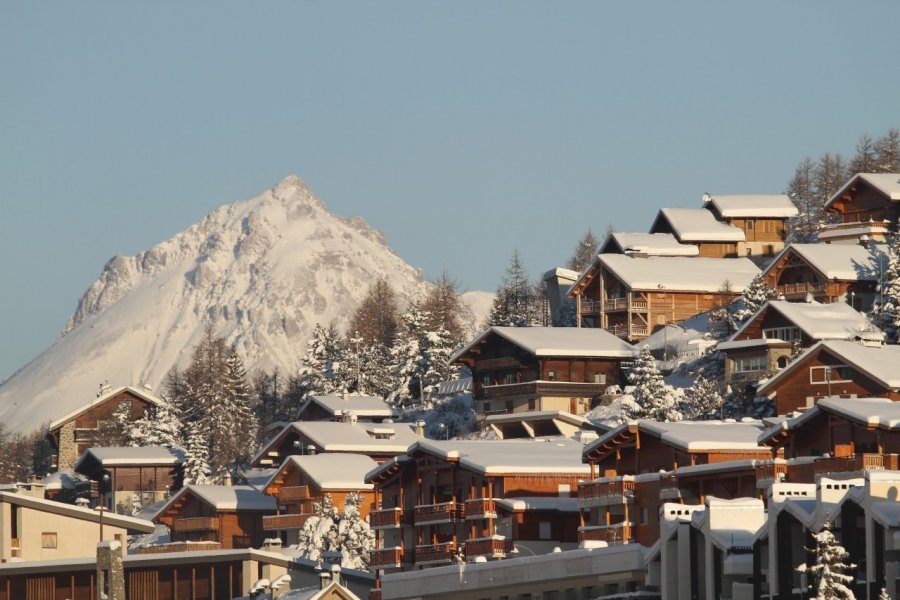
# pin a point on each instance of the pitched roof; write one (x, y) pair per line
(836, 321)
(142, 394)
(754, 205)
(652, 244)
(698, 225)
(557, 455)
(341, 471)
(882, 413)
(128, 455)
(676, 273)
(846, 262)
(77, 512)
(695, 436)
(879, 363)
(361, 406)
(225, 497)
(886, 183)
(333, 436)
(557, 341)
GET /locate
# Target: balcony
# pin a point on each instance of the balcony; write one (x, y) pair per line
(618, 533)
(622, 331)
(590, 307)
(481, 508)
(602, 493)
(277, 522)
(767, 474)
(432, 514)
(570, 389)
(388, 558)
(857, 462)
(798, 291)
(293, 493)
(496, 547)
(388, 518)
(433, 554)
(196, 524)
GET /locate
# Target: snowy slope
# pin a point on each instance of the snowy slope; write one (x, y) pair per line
(263, 271)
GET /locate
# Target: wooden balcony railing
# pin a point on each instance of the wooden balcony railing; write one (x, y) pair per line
(481, 508)
(389, 557)
(196, 524)
(621, 304)
(544, 388)
(622, 331)
(857, 462)
(435, 553)
(275, 522)
(771, 472)
(293, 493)
(611, 534)
(590, 307)
(444, 512)
(178, 547)
(387, 518)
(498, 548)
(796, 290)
(605, 490)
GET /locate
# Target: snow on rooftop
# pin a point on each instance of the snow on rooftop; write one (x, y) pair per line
(335, 471)
(739, 344)
(128, 455)
(66, 479)
(236, 497)
(754, 205)
(880, 412)
(78, 512)
(676, 273)
(652, 244)
(561, 273)
(364, 406)
(558, 341)
(699, 225)
(707, 435)
(332, 436)
(880, 362)
(836, 321)
(559, 455)
(846, 262)
(560, 503)
(140, 393)
(887, 183)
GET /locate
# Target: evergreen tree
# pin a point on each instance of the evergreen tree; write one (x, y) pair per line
(159, 426)
(832, 172)
(235, 422)
(405, 355)
(865, 160)
(517, 303)
(442, 308)
(585, 252)
(196, 461)
(329, 530)
(326, 365)
(702, 401)
(723, 317)
(433, 362)
(567, 315)
(887, 152)
(755, 295)
(886, 311)
(802, 192)
(832, 570)
(653, 398)
(376, 319)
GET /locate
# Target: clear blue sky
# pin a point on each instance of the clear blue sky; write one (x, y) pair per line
(460, 129)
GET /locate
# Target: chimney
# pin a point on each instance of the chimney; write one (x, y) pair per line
(346, 396)
(864, 241)
(226, 480)
(324, 579)
(311, 449)
(420, 428)
(272, 545)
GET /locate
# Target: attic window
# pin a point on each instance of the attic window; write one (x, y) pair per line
(787, 334)
(381, 433)
(832, 374)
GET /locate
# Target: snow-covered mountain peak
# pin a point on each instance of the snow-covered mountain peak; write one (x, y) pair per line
(262, 271)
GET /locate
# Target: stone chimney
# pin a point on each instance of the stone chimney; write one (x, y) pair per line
(324, 579)
(110, 570)
(272, 545)
(420, 428)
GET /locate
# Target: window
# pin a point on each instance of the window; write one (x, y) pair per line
(782, 362)
(745, 364)
(545, 531)
(551, 375)
(787, 334)
(600, 378)
(48, 540)
(830, 374)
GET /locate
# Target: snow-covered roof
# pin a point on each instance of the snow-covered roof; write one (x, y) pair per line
(754, 205)
(836, 321)
(361, 406)
(561, 273)
(489, 457)
(692, 436)
(845, 262)
(652, 244)
(560, 503)
(698, 225)
(65, 479)
(677, 273)
(463, 385)
(336, 436)
(883, 413)
(741, 344)
(886, 183)
(557, 341)
(341, 471)
(225, 497)
(879, 363)
(142, 394)
(127, 455)
(77, 512)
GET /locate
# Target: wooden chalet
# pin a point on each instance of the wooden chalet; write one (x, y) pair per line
(136, 476)
(867, 205)
(474, 499)
(835, 368)
(828, 273)
(86, 426)
(765, 342)
(633, 296)
(230, 517)
(648, 244)
(699, 227)
(522, 369)
(762, 218)
(638, 466)
(837, 435)
(345, 407)
(380, 441)
(549, 423)
(302, 481)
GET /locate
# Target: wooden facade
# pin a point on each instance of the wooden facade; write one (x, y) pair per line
(795, 278)
(143, 481)
(861, 208)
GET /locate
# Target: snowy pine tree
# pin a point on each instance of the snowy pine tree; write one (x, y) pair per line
(327, 366)
(883, 595)
(517, 303)
(653, 398)
(702, 401)
(196, 459)
(329, 530)
(832, 569)
(405, 357)
(320, 531)
(160, 426)
(755, 295)
(886, 312)
(585, 252)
